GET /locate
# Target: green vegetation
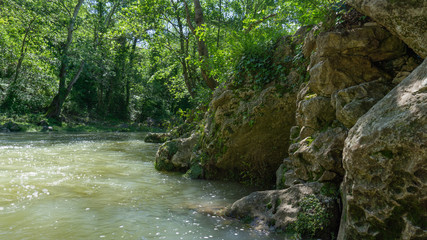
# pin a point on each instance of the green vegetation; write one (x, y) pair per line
(143, 61)
(309, 140)
(313, 217)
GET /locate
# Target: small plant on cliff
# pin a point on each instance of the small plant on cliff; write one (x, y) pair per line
(312, 218)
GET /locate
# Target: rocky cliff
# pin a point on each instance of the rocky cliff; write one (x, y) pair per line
(349, 135)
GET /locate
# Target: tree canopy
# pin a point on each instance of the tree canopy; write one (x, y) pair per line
(134, 59)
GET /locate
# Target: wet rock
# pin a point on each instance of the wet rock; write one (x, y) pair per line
(176, 154)
(406, 18)
(157, 137)
(291, 209)
(385, 185)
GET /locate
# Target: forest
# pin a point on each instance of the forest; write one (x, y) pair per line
(136, 60)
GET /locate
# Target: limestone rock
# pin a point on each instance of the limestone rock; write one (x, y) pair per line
(385, 185)
(285, 175)
(351, 103)
(287, 210)
(345, 58)
(319, 157)
(157, 137)
(336, 72)
(405, 18)
(247, 131)
(310, 42)
(315, 112)
(376, 43)
(176, 154)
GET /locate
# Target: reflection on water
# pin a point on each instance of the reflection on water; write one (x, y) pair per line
(104, 186)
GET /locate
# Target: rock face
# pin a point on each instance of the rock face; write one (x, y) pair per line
(319, 157)
(247, 132)
(385, 158)
(405, 18)
(350, 71)
(292, 209)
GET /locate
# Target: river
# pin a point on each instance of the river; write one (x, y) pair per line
(104, 186)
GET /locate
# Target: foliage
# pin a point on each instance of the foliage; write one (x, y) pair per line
(312, 218)
(140, 58)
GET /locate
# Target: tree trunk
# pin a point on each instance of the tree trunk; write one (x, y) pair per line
(202, 48)
(182, 58)
(54, 109)
(129, 72)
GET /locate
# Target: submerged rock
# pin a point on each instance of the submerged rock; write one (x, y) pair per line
(385, 159)
(309, 209)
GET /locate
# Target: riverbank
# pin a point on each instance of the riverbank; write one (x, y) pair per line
(39, 123)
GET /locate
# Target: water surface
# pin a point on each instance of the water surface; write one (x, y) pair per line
(104, 186)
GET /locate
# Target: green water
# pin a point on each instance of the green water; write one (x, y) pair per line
(104, 186)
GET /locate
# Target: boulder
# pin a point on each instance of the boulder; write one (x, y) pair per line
(308, 209)
(335, 72)
(319, 157)
(176, 154)
(351, 103)
(315, 112)
(385, 185)
(374, 42)
(405, 18)
(285, 175)
(345, 58)
(157, 137)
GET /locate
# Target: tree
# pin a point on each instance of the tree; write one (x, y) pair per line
(201, 44)
(54, 109)
(27, 17)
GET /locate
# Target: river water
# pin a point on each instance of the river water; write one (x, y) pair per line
(104, 186)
